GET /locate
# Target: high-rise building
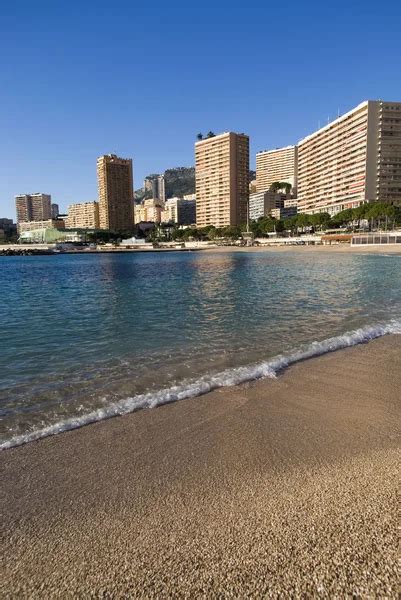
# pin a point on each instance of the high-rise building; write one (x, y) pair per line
(33, 207)
(83, 216)
(353, 160)
(116, 195)
(149, 211)
(161, 188)
(222, 179)
(55, 211)
(276, 165)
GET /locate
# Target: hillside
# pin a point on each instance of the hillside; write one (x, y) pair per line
(179, 181)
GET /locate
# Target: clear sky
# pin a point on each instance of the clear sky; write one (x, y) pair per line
(141, 79)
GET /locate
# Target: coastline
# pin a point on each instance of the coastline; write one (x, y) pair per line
(242, 490)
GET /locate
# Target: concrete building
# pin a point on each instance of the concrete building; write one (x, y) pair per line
(179, 211)
(262, 203)
(55, 211)
(156, 184)
(33, 207)
(47, 224)
(353, 160)
(149, 211)
(222, 180)
(116, 194)
(284, 212)
(84, 215)
(276, 165)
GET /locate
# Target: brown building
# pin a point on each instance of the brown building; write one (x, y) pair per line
(33, 207)
(222, 180)
(116, 192)
(83, 216)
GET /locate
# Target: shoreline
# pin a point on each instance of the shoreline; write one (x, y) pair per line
(277, 485)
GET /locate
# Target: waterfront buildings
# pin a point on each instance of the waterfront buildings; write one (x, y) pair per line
(353, 160)
(116, 195)
(45, 224)
(222, 179)
(276, 165)
(149, 211)
(33, 207)
(262, 203)
(179, 211)
(84, 215)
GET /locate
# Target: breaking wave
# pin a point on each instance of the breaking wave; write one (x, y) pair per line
(207, 383)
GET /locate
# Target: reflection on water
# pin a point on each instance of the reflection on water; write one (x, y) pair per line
(80, 331)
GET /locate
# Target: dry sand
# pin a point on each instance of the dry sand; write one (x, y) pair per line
(334, 248)
(281, 487)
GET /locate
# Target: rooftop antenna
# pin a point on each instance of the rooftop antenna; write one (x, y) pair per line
(338, 112)
(328, 119)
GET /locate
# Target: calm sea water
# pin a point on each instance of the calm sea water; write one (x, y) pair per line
(80, 333)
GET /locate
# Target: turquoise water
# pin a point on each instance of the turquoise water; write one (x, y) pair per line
(80, 333)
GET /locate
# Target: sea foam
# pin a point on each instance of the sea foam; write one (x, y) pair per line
(197, 387)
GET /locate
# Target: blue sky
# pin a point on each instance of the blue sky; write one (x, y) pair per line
(78, 80)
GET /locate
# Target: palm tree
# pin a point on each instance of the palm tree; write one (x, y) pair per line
(210, 134)
(199, 136)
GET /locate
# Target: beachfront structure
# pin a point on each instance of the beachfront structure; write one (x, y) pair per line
(116, 192)
(262, 203)
(353, 160)
(84, 215)
(33, 207)
(179, 211)
(279, 164)
(46, 224)
(222, 179)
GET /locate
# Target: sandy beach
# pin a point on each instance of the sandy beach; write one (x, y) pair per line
(329, 248)
(280, 487)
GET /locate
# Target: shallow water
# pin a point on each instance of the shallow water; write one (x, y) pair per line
(103, 334)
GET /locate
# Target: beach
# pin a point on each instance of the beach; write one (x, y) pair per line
(281, 486)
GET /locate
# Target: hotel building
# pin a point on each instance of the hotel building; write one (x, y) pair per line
(222, 180)
(83, 216)
(276, 165)
(353, 160)
(116, 194)
(33, 207)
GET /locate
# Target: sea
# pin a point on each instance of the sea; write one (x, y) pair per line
(85, 337)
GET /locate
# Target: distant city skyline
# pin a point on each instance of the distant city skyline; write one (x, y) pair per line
(78, 90)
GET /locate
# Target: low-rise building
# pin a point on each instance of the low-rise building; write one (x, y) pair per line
(84, 215)
(48, 224)
(262, 203)
(284, 212)
(149, 211)
(179, 211)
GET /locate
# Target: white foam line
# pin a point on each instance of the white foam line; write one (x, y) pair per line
(207, 383)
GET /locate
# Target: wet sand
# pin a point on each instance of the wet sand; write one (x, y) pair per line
(283, 486)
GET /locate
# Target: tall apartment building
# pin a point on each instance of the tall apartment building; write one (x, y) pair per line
(55, 211)
(149, 211)
(276, 165)
(222, 179)
(33, 207)
(156, 184)
(84, 215)
(353, 160)
(116, 194)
